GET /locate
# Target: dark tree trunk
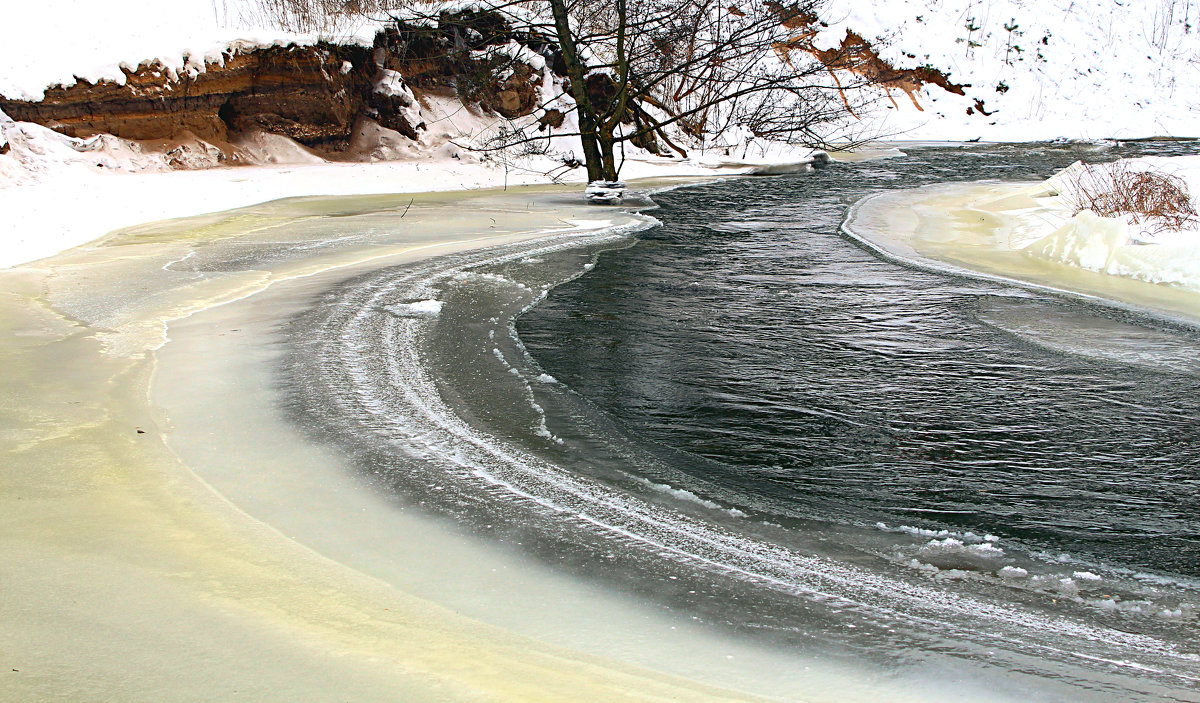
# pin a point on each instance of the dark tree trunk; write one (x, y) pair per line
(608, 161)
(588, 124)
(592, 148)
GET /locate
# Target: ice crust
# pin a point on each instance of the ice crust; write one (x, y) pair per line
(976, 222)
(688, 496)
(948, 555)
(400, 401)
(1119, 247)
(421, 308)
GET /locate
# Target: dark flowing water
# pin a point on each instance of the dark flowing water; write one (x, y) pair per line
(743, 416)
(825, 383)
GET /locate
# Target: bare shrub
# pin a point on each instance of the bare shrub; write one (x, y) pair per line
(319, 15)
(1150, 197)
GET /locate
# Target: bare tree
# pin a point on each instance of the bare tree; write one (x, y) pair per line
(659, 74)
(641, 71)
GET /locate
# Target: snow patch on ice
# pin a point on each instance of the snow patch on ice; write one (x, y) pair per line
(690, 497)
(969, 537)
(421, 308)
(1013, 572)
(1122, 247)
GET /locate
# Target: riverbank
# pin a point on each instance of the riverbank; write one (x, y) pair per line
(59, 194)
(127, 575)
(177, 529)
(173, 532)
(1028, 233)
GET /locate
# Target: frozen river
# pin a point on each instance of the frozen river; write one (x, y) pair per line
(505, 446)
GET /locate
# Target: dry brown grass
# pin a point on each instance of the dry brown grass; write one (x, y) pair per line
(322, 15)
(1154, 199)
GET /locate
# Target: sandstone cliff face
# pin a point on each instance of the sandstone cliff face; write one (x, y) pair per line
(857, 56)
(315, 95)
(312, 94)
(319, 95)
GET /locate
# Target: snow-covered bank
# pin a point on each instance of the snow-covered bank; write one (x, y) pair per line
(57, 42)
(57, 192)
(1058, 68)
(1047, 227)
(1030, 234)
(1064, 68)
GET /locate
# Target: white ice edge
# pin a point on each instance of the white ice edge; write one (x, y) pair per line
(410, 400)
(911, 259)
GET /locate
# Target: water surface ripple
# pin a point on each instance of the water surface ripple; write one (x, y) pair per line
(743, 416)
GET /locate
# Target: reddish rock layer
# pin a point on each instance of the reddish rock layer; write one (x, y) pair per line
(312, 94)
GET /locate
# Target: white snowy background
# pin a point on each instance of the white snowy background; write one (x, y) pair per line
(1081, 69)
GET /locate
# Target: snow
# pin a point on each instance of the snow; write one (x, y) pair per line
(968, 537)
(267, 148)
(1069, 68)
(605, 192)
(757, 168)
(1103, 71)
(1031, 234)
(59, 192)
(61, 40)
(1073, 68)
(952, 553)
(421, 308)
(686, 495)
(1115, 246)
(512, 51)
(1013, 572)
(111, 183)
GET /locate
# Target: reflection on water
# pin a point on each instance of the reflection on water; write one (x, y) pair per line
(983, 433)
(738, 451)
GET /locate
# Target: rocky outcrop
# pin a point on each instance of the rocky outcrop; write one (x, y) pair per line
(856, 55)
(313, 94)
(310, 93)
(460, 52)
(319, 95)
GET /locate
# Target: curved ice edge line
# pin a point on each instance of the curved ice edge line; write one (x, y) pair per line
(519, 344)
(933, 266)
(653, 222)
(490, 448)
(650, 222)
(545, 235)
(547, 232)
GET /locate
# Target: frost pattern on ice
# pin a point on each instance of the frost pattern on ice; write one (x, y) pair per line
(393, 392)
(421, 308)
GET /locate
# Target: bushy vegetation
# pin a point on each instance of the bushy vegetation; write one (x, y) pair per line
(320, 15)
(1150, 197)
